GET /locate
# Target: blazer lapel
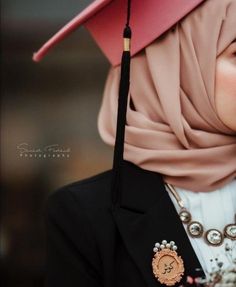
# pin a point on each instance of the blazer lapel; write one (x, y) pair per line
(147, 215)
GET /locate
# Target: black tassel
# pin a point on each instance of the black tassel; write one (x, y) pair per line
(122, 107)
(121, 114)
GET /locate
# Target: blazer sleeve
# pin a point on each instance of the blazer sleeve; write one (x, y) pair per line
(72, 257)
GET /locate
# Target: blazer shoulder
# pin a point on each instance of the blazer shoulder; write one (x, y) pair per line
(88, 181)
(91, 192)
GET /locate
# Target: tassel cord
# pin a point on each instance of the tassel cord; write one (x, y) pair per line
(121, 114)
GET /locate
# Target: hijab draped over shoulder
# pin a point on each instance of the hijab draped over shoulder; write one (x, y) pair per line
(172, 123)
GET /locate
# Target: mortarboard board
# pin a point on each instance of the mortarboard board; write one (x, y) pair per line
(105, 20)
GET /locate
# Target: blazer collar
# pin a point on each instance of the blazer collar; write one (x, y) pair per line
(147, 215)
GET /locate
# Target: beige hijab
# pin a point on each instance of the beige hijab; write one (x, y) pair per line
(172, 124)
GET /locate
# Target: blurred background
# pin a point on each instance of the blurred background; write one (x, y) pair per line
(49, 133)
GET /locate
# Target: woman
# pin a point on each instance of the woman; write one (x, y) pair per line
(180, 144)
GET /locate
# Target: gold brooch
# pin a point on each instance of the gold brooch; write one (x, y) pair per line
(167, 266)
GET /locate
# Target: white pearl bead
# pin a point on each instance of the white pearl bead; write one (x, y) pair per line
(162, 246)
(164, 242)
(157, 244)
(172, 243)
(174, 247)
(168, 245)
(155, 249)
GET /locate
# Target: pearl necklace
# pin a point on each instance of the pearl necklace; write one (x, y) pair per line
(212, 236)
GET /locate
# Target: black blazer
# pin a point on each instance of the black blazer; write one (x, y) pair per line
(91, 245)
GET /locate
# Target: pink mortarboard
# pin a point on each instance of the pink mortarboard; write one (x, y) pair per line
(105, 21)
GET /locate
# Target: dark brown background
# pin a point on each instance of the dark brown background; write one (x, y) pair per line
(53, 102)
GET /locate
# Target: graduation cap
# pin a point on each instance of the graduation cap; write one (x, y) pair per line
(105, 20)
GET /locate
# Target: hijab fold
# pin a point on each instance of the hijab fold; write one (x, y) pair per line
(172, 123)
